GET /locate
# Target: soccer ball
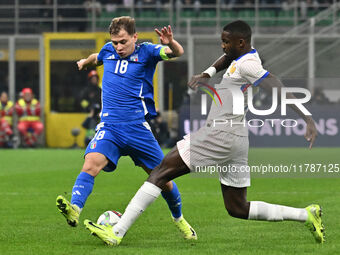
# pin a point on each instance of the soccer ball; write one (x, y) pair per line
(109, 217)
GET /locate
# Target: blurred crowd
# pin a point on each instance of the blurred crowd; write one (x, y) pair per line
(76, 15)
(196, 5)
(83, 8)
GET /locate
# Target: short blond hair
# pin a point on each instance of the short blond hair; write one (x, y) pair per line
(125, 22)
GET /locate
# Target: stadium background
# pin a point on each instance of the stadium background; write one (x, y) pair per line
(40, 42)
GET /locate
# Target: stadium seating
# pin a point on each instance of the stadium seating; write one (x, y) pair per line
(207, 17)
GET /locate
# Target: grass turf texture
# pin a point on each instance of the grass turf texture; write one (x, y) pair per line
(30, 223)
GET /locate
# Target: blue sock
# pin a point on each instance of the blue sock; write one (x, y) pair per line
(82, 189)
(173, 198)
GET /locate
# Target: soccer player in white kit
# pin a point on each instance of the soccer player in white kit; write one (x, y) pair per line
(225, 145)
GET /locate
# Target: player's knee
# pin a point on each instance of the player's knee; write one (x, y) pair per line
(94, 163)
(166, 171)
(91, 170)
(92, 167)
(154, 176)
(157, 177)
(235, 212)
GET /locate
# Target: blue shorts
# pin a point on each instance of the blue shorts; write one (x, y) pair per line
(135, 140)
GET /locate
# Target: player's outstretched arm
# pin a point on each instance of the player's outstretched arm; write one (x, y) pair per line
(220, 64)
(174, 48)
(272, 81)
(92, 60)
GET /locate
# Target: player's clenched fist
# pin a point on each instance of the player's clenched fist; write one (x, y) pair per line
(311, 133)
(80, 64)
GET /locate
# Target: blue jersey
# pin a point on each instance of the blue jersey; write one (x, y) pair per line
(127, 89)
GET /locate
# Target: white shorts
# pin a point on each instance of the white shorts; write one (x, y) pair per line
(225, 152)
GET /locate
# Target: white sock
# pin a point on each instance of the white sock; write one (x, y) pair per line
(77, 208)
(146, 194)
(179, 218)
(264, 211)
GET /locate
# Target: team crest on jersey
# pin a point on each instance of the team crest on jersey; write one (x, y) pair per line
(111, 57)
(232, 69)
(93, 145)
(134, 58)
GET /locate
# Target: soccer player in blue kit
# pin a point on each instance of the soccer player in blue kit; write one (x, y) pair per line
(127, 101)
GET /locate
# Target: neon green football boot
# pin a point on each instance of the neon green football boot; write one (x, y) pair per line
(314, 223)
(69, 211)
(103, 232)
(185, 228)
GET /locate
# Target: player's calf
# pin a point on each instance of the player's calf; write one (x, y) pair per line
(171, 167)
(235, 201)
(240, 211)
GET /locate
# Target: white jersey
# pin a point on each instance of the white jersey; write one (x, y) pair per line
(221, 146)
(243, 72)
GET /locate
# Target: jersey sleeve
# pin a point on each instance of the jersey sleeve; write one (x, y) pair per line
(100, 56)
(157, 52)
(253, 71)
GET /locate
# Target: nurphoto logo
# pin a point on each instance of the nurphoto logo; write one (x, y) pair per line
(239, 108)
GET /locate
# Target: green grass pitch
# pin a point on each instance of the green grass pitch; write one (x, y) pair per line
(30, 180)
